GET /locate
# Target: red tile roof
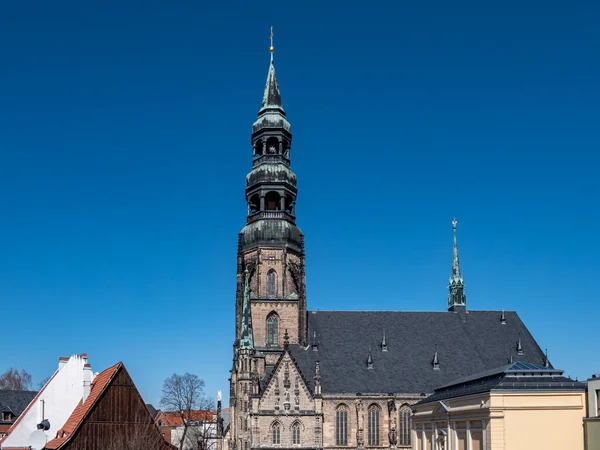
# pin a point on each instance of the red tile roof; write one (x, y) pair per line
(175, 419)
(83, 408)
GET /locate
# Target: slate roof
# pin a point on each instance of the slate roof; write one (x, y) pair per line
(15, 402)
(467, 342)
(271, 97)
(515, 376)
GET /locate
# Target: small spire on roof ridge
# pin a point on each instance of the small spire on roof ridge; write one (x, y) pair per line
(384, 343)
(519, 346)
(503, 318)
(546, 360)
(436, 361)
(370, 359)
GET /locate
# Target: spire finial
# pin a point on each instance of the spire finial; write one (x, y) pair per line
(457, 299)
(271, 48)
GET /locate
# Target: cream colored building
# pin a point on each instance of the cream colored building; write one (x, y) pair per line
(517, 407)
(591, 423)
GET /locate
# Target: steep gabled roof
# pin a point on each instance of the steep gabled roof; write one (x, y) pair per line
(98, 386)
(466, 343)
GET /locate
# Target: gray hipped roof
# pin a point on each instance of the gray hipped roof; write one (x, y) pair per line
(466, 343)
(512, 377)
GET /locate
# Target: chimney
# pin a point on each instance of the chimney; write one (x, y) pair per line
(87, 381)
(62, 360)
(84, 357)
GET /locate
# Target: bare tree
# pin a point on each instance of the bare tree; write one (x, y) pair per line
(43, 382)
(13, 380)
(183, 394)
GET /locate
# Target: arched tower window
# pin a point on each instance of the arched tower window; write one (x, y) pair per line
(341, 425)
(405, 425)
(373, 426)
(273, 201)
(296, 433)
(254, 204)
(272, 284)
(273, 329)
(276, 433)
(258, 149)
(272, 146)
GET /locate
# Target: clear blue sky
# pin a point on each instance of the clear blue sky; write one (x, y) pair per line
(125, 141)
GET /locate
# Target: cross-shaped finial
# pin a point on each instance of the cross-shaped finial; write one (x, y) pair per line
(454, 222)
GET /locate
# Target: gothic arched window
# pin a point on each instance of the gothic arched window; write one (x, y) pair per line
(276, 433)
(405, 425)
(296, 433)
(273, 329)
(341, 425)
(373, 426)
(271, 284)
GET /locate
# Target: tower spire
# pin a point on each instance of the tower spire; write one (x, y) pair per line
(246, 336)
(457, 300)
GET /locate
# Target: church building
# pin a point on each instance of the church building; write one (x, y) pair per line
(305, 379)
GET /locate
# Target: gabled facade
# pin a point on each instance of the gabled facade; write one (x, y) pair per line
(286, 413)
(54, 403)
(112, 417)
(356, 374)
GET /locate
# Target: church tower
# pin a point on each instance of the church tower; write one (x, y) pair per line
(270, 306)
(271, 246)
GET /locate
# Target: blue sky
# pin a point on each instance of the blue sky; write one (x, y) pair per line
(125, 141)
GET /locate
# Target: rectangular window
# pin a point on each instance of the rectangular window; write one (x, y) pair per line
(419, 440)
(476, 440)
(428, 440)
(461, 439)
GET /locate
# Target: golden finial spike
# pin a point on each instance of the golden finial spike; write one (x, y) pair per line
(454, 222)
(271, 48)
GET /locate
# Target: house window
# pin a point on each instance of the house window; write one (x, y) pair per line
(405, 425)
(272, 329)
(272, 284)
(373, 426)
(6, 416)
(276, 433)
(341, 425)
(296, 434)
